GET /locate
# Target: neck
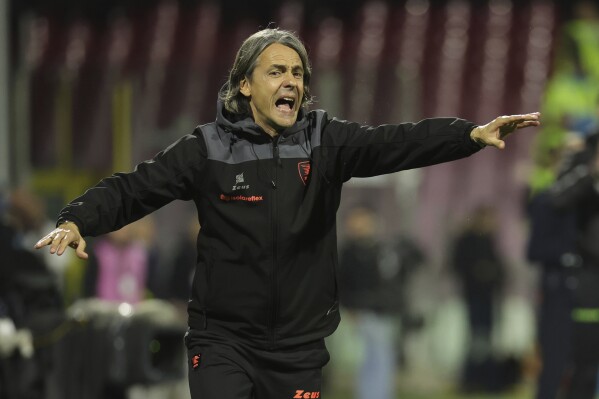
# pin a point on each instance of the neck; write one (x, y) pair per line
(268, 129)
(270, 132)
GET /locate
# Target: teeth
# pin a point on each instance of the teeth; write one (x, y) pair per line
(287, 102)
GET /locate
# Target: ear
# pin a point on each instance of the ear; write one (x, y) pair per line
(244, 87)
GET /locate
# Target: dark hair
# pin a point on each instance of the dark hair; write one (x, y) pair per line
(245, 62)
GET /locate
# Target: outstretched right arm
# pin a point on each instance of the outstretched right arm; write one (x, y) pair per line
(126, 197)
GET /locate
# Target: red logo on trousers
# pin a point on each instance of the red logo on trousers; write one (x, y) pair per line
(195, 361)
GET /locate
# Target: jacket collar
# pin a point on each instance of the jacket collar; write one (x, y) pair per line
(245, 127)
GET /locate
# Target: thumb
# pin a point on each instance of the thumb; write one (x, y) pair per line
(81, 254)
(492, 134)
(497, 143)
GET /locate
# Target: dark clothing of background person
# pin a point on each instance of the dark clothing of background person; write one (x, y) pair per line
(480, 271)
(372, 274)
(551, 246)
(30, 300)
(267, 251)
(577, 190)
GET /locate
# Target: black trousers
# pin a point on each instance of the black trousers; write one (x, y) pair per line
(554, 331)
(223, 368)
(585, 333)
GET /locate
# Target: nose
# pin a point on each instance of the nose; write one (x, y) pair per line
(289, 80)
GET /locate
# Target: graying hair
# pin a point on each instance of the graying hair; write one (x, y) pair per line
(245, 63)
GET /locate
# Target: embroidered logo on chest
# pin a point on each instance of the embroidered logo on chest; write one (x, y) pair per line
(240, 183)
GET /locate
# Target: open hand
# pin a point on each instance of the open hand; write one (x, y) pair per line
(494, 132)
(65, 235)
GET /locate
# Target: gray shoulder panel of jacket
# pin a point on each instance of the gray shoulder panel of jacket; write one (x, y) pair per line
(229, 148)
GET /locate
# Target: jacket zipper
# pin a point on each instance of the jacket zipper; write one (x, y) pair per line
(274, 284)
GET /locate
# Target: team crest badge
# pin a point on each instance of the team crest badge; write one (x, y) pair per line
(303, 169)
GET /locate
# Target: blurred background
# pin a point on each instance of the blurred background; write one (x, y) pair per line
(93, 87)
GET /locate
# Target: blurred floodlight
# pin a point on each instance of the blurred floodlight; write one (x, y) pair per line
(125, 309)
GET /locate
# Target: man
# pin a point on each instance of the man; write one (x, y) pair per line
(480, 272)
(266, 178)
(576, 191)
(372, 276)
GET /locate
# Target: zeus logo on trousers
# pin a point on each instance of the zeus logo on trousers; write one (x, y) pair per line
(301, 394)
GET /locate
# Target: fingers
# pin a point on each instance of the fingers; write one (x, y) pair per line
(508, 124)
(524, 117)
(44, 241)
(493, 133)
(521, 123)
(81, 249)
(62, 243)
(58, 240)
(528, 124)
(517, 120)
(53, 238)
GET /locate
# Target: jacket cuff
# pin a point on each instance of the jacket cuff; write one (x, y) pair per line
(474, 143)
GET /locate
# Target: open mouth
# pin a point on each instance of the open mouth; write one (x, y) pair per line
(285, 104)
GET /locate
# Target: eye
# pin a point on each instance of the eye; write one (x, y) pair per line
(298, 75)
(275, 73)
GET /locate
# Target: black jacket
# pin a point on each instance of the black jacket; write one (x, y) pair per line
(552, 237)
(267, 250)
(577, 190)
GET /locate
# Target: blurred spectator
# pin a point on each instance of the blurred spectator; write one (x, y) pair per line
(551, 247)
(30, 308)
(480, 271)
(584, 29)
(26, 213)
(371, 276)
(577, 190)
(570, 115)
(572, 93)
(119, 264)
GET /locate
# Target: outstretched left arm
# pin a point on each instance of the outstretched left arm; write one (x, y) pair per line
(494, 132)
